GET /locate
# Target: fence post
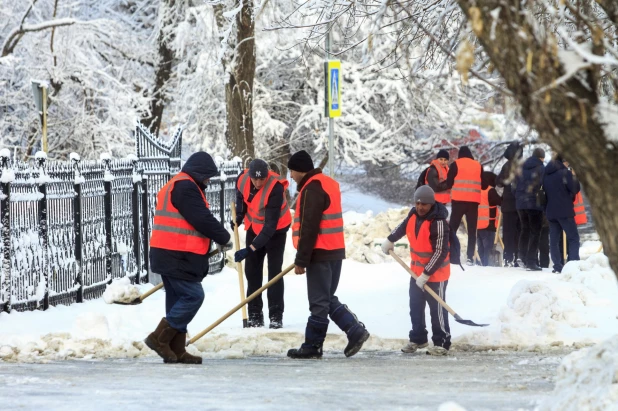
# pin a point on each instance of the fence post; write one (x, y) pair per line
(107, 200)
(146, 226)
(77, 226)
(5, 206)
(136, 226)
(43, 231)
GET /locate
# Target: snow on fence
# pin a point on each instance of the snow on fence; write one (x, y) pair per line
(70, 227)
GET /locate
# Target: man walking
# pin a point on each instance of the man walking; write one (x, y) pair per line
(317, 233)
(530, 211)
(511, 225)
(436, 174)
(464, 179)
(562, 189)
(428, 234)
(181, 238)
(261, 203)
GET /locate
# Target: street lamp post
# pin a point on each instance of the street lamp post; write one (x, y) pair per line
(39, 90)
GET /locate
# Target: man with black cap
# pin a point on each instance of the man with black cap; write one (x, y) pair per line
(181, 239)
(262, 204)
(317, 233)
(435, 174)
(511, 225)
(428, 234)
(464, 179)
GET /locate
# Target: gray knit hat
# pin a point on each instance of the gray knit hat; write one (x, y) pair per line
(425, 195)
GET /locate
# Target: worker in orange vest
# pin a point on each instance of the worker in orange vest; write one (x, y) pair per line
(464, 179)
(262, 205)
(580, 209)
(428, 234)
(317, 234)
(435, 174)
(180, 241)
(488, 216)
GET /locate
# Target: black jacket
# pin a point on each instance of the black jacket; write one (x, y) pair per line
(512, 153)
(272, 210)
(438, 234)
(187, 199)
(314, 202)
(528, 184)
(464, 152)
(561, 189)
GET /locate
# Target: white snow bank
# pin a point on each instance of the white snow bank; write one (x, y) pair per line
(450, 406)
(121, 290)
(587, 380)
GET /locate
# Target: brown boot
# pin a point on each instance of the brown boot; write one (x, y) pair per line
(178, 346)
(159, 341)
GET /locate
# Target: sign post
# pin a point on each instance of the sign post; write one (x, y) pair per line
(39, 90)
(332, 100)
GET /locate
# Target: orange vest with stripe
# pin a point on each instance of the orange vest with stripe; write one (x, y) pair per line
(170, 230)
(330, 236)
(467, 185)
(443, 197)
(485, 217)
(580, 210)
(255, 217)
(421, 251)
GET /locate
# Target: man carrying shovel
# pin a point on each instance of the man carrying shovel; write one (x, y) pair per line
(428, 234)
(317, 233)
(181, 237)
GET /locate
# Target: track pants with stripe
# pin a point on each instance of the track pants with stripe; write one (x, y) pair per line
(441, 333)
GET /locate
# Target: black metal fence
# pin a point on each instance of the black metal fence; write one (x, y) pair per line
(70, 227)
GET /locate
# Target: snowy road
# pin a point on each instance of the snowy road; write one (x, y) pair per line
(390, 380)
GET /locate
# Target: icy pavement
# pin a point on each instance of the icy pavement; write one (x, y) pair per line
(386, 380)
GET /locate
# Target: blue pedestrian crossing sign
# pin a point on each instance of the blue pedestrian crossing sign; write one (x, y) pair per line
(332, 89)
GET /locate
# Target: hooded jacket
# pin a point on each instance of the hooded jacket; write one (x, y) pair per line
(188, 200)
(561, 188)
(528, 184)
(512, 153)
(464, 152)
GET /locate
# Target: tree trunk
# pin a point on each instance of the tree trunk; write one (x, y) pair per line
(563, 114)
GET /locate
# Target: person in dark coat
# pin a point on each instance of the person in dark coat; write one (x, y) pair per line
(181, 236)
(561, 188)
(486, 236)
(511, 225)
(530, 212)
(544, 244)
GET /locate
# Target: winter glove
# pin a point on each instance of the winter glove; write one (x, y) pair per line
(422, 280)
(225, 247)
(387, 246)
(242, 254)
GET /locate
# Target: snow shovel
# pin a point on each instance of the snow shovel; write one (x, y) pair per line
(241, 304)
(241, 281)
(436, 296)
(154, 289)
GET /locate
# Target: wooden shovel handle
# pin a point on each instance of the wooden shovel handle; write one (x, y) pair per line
(241, 275)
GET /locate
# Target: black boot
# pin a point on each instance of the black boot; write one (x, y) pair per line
(533, 266)
(315, 333)
(354, 329)
(255, 320)
(276, 321)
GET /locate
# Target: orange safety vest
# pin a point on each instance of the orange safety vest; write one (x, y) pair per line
(421, 251)
(255, 217)
(467, 185)
(170, 230)
(443, 197)
(330, 236)
(485, 212)
(580, 210)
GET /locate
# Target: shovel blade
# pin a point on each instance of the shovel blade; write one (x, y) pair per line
(137, 301)
(468, 322)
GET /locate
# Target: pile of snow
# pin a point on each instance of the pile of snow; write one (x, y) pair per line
(587, 380)
(121, 290)
(589, 248)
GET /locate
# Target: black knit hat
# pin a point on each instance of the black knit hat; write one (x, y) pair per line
(258, 169)
(300, 161)
(443, 154)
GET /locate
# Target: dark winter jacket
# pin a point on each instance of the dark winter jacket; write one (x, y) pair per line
(512, 153)
(272, 210)
(464, 152)
(438, 233)
(433, 179)
(561, 188)
(187, 199)
(528, 184)
(314, 202)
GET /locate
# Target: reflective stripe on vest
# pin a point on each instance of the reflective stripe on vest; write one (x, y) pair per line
(330, 234)
(485, 218)
(170, 230)
(421, 251)
(443, 197)
(255, 217)
(467, 184)
(580, 210)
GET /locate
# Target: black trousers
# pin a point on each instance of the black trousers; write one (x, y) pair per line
(485, 239)
(511, 228)
(254, 268)
(544, 247)
(440, 330)
(471, 211)
(531, 225)
(322, 282)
